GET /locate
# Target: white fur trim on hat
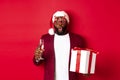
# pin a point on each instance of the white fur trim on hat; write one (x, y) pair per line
(51, 31)
(60, 13)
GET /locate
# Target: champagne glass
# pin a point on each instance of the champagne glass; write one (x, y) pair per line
(41, 48)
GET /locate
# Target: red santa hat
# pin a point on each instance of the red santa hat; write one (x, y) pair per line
(58, 14)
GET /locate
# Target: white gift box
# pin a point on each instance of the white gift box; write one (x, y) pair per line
(83, 61)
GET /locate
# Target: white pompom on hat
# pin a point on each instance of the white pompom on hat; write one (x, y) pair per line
(58, 14)
(51, 31)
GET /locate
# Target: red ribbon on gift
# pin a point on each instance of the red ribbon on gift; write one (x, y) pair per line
(76, 48)
(90, 61)
(78, 61)
(78, 58)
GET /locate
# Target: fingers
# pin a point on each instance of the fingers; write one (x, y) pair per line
(38, 53)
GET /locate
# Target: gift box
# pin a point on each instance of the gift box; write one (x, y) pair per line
(83, 60)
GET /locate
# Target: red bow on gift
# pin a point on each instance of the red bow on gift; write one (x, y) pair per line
(78, 48)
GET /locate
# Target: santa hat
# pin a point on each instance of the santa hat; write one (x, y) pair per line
(58, 14)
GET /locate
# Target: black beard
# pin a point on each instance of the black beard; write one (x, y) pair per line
(63, 32)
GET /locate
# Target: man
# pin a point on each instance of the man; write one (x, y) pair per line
(55, 49)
